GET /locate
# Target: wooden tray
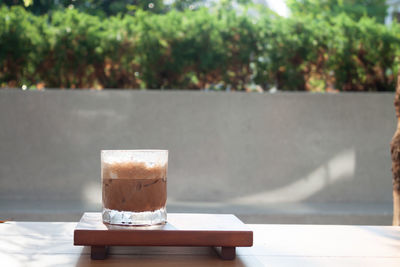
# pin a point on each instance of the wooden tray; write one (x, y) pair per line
(225, 232)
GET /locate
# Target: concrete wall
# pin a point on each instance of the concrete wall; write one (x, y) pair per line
(232, 148)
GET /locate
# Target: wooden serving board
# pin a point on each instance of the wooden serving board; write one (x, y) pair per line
(225, 232)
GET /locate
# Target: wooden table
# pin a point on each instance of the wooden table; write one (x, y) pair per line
(51, 244)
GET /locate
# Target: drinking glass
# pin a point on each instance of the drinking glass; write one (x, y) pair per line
(134, 186)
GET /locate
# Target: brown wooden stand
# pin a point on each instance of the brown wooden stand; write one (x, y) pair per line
(98, 252)
(224, 232)
(226, 253)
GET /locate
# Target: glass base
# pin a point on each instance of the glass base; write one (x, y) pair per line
(134, 218)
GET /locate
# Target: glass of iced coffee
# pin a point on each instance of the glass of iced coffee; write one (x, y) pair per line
(134, 186)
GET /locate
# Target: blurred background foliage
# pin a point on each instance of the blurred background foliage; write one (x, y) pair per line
(355, 9)
(326, 45)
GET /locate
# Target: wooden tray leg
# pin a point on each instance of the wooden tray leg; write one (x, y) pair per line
(226, 253)
(98, 252)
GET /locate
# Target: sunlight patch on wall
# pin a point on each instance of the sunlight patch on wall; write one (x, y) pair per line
(92, 193)
(338, 168)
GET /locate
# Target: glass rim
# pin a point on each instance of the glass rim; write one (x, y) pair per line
(133, 150)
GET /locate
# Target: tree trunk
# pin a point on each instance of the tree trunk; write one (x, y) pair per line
(395, 153)
(396, 208)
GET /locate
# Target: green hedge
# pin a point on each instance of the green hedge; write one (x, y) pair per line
(196, 50)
